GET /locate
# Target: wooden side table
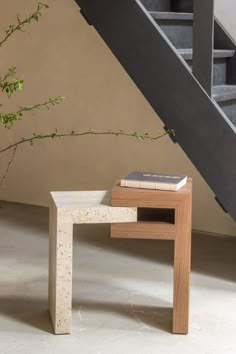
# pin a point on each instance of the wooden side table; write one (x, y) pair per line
(162, 215)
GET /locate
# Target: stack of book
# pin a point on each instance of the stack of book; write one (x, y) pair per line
(150, 180)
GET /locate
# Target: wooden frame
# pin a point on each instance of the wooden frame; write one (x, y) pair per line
(179, 232)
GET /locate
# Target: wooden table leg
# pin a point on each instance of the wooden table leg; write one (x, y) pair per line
(60, 271)
(182, 259)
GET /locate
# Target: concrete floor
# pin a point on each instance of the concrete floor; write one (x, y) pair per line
(122, 293)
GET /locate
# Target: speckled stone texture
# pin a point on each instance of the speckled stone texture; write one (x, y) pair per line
(66, 209)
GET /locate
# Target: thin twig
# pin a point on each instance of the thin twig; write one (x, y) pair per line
(39, 105)
(11, 72)
(8, 165)
(21, 23)
(8, 119)
(74, 134)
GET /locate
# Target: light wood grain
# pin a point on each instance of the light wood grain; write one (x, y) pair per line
(144, 230)
(182, 260)
(135, 197)
(180, 232)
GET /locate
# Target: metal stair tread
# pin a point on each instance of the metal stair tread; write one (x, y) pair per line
(223, 93)
(171, 15)
(187, 54)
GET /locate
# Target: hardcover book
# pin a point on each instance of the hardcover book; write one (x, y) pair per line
(150, 180)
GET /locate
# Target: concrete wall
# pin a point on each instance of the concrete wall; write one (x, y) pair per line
(63, 56)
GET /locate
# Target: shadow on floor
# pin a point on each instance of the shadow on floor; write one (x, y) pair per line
(211, 255)
(32, 312)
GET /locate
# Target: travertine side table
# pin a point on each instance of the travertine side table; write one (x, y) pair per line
(66, 209)
(135, 213)
(162, 215)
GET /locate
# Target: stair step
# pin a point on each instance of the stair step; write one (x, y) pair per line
(157, 5)
(171, 15)
(177, 26)
(223, 93)
(187, 54)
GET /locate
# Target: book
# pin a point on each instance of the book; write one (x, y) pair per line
(150, 180)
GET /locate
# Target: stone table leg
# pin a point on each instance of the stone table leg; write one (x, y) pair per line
(60, 271)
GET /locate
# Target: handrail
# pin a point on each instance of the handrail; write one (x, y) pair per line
(203, 43)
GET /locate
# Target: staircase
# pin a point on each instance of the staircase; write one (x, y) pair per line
(184, 63)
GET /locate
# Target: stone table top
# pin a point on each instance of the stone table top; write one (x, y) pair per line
(91, 207)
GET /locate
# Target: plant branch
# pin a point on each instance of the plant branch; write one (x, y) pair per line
(8, 119)
(9, 87)
(54, 135)
(11, 72)
(21, 23)
(8, 165)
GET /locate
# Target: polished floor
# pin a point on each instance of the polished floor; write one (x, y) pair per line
(122, 292)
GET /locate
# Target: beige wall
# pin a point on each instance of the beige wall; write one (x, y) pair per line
(226, 11)
(63, 56)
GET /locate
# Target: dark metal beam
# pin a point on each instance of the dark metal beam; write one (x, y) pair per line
(203, 41)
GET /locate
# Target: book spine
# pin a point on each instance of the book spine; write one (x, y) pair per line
(147, 185)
